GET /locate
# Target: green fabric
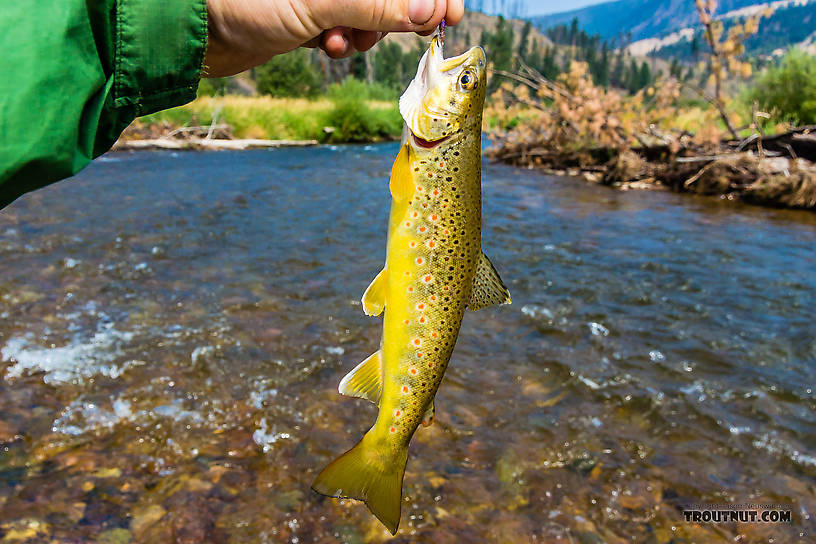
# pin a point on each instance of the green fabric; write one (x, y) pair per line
(75, 73)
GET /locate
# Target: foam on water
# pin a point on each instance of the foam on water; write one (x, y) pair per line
(80, 358)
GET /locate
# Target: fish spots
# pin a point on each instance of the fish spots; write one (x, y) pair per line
(422, 229)
(410, 289)
(447, 232)
(415, 214)
(436, 192)
(412, 243)
(433, 298)
(408, 224)
(413, 370)
(430, 174)
(431, 244)
(420, 188)
(434, 217)
(434, 334)
(420, 260)
(420, 306)
(417, 341)
(407, 321)
(427, 278)
(422, 319)
(397, 413)
(406, 389)
(419, 354)
(393, 429)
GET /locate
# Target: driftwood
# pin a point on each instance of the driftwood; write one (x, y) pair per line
(775, 171)
(203, 143)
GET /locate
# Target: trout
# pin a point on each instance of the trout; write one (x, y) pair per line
(434, 269)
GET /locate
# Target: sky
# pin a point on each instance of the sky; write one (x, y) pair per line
(542, 7)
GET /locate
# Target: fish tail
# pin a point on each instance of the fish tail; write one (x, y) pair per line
(365, 474)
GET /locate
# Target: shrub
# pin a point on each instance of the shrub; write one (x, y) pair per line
(788, 90)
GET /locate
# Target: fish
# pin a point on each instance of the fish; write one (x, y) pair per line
(434, 269)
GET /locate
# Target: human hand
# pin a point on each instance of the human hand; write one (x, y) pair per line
(246, 33)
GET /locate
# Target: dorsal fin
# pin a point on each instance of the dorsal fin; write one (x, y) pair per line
(488, 288)
(374, 296)
(402, 182)
(365, 380)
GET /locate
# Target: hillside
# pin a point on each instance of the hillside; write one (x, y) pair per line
(642, 18)
(791, 23)
(468, 33)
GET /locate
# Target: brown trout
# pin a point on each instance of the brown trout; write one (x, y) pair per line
(434, 269)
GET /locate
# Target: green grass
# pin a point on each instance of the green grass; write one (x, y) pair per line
(353, 117)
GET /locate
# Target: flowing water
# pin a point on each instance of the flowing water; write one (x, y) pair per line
(173, 327)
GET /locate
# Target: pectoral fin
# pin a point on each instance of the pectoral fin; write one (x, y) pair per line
(365, 380)
(428, 416)
(402, 183)
(374, 296)
(488, 288)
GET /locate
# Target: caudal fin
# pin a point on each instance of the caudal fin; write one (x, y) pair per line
(365, 473)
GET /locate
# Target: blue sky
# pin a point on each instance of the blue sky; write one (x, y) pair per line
(541, 7)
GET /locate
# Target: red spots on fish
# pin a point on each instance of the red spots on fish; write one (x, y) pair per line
(393, 429)
(420, 260)
(433, 297)
(446, 288)
(430, 364)
(441, 165)
(434, 335)
(405, 389)
(419, 354)
(407, 321)
(412, 243)
(431, 244)
(413, 371)
(444, 206)
(447, 231)
(397, 413)
(436, 192)
(417, 341)
(422, 319)
(427, 278)
(419, 188)
(422, 229)
(410, 289)
(434, 217)
(420, 306)
(416, 214)
(407, 223)
(430, 174)
(424, 204)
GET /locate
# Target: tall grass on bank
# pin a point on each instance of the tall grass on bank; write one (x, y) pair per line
(347, 113)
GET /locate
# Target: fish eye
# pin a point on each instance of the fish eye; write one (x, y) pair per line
(467, 80)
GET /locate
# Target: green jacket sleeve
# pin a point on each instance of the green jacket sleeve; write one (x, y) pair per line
(75, 73)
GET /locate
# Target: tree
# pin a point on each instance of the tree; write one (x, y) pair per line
(291, 74)
(789, 88)
(523, 41)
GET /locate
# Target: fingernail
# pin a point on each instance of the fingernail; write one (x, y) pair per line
(421, 11)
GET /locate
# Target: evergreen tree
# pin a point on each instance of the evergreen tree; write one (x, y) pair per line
(523, 41)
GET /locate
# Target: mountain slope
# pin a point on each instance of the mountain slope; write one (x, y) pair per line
(643, 18)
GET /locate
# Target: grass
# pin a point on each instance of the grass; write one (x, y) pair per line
(352, 117)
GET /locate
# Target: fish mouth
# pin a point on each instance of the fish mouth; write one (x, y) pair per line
(427, 144)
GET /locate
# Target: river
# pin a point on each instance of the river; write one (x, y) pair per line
(173, 327)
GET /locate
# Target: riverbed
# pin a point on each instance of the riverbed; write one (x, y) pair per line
(173, 327)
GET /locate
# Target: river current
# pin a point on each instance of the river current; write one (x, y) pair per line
(173, 327)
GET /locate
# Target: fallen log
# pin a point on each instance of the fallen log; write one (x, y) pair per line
(204, 143)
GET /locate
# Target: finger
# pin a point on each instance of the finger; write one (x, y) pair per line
(380, 15)
(454, 12)
(336, 42)
(363, 40)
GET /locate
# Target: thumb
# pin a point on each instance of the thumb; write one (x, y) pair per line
(379, 15)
